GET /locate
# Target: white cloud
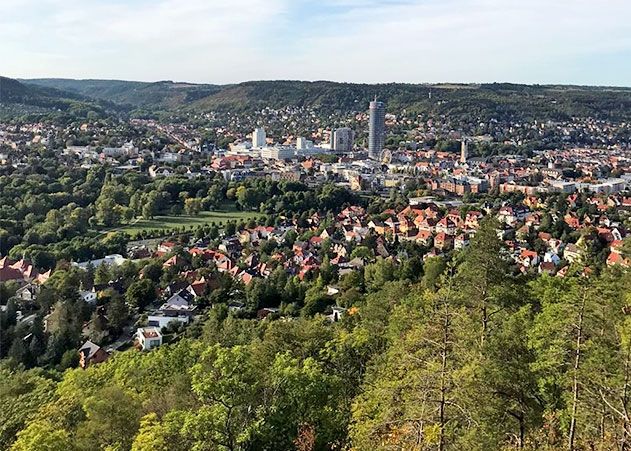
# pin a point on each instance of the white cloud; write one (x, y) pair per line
(192, 39)
(469, 40)
(354, 40)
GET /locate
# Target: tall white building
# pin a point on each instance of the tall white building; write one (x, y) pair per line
(376, 129)
(303, 143)
(259, 138)
(342, 140)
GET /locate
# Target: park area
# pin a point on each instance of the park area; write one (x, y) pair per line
(176, 222)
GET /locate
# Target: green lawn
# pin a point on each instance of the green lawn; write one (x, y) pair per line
(171, 222)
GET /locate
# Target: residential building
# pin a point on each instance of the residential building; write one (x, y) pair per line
(303, 143)
(110, 260)
(149, 338)
(90, 354)
(178, 308)
(343, 139)
(20, 271)
(28, 293)
(259, 139)
(161, 319)
(88, 296)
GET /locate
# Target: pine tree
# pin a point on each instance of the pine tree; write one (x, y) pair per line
(565, 338)
(505, 395)
(413, 400)
(482, 277)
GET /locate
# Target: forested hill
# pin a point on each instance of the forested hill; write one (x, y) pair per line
(15, 92)
(18, 99)
(162, 94)
(465, 102)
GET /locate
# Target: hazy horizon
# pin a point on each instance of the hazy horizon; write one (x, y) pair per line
(372, 41)
(420, 83)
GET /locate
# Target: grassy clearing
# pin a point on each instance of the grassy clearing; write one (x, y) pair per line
(172, 222)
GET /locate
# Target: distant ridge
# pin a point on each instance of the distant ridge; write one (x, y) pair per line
(14, 91)
(468, 101)
(134, 93)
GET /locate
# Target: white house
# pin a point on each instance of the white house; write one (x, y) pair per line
(551, 257)
(88, 296)
(160, 319)
(111, 260)
(149, 338)
(160, 171)
(179, 304)
(28, 292)
(178, 308)
(336, 315)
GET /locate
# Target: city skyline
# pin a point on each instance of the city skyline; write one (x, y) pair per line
(415, 41)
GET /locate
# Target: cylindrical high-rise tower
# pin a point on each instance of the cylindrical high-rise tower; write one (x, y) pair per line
(377, 129)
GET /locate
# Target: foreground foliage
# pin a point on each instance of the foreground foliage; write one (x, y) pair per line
(471, 357)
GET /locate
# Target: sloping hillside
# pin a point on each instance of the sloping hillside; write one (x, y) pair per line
(13, 91)
(165, 94)
(467, 101)
(461, 102)
(18, 99)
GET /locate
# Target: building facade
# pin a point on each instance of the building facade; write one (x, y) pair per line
(303, 143)
(377, 129)
(278, 153)
(148, 338)
(259, 138)
(343, 140)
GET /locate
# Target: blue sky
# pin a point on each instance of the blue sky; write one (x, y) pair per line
(225, 41)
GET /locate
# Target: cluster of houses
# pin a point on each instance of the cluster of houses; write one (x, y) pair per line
(28, 280)
(146, 339)
(438, 227)
(21, 271)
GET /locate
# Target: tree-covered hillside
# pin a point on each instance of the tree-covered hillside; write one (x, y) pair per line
(164, 94)
(499, 101)
(13, 91)
(464, 356)
(19, 99)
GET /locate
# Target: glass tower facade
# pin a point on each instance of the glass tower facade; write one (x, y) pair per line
(377, 129)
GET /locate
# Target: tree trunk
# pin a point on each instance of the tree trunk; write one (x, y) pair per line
(443, 376)
(603, 418)
(577, 362)
(485, 324)
(522, 432)
(485, 316)
(624, 442)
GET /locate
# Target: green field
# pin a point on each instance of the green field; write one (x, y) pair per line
(172, 222)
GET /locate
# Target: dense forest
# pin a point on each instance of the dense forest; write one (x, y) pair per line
(461, 354)
(501, 101)
(19, 100)
(164, 93)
